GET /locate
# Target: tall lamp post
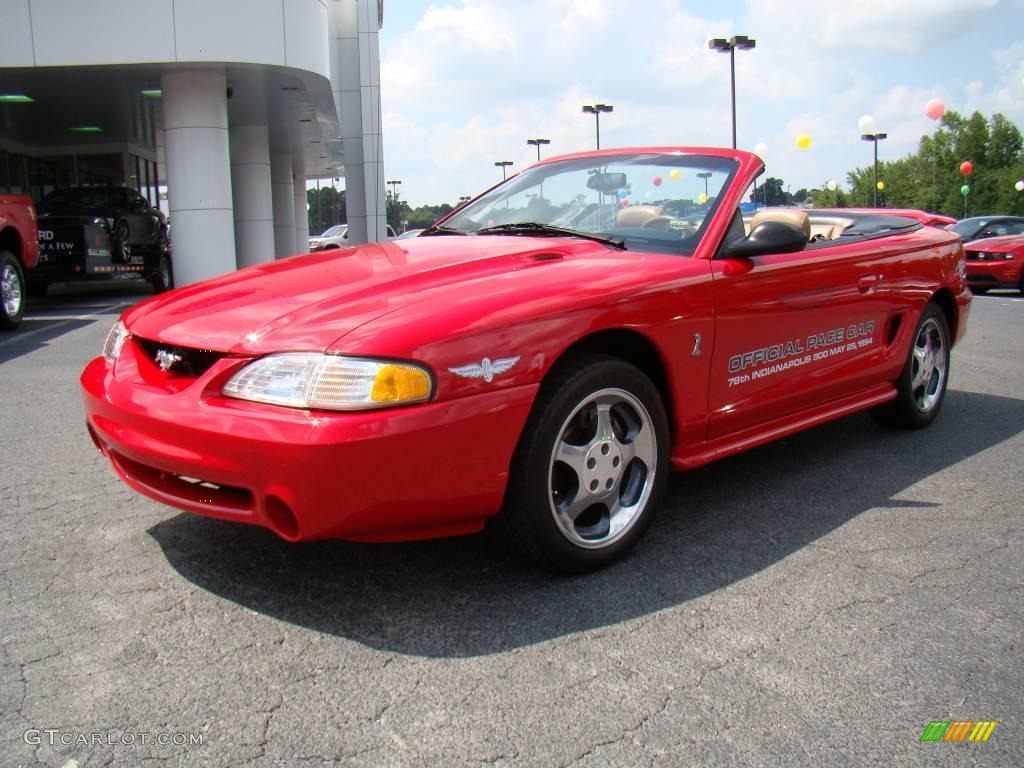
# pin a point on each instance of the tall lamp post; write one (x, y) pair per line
(503, 164)
(596, 110)
(393, 183)
(874, 138)
(537, 143)
(729, 46)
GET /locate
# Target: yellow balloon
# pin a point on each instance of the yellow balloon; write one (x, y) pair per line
(880, 185)
(675, 174)
(803, 141)
(702, 198)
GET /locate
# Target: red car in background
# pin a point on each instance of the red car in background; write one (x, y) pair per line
(536, 362)
(995, 262)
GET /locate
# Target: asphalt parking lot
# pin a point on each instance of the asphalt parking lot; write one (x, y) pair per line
(815, 602)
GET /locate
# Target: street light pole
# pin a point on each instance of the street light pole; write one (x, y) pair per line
(393, 183)
(705, 175)
(503, 164)
(722, 45)
(596, 110)
(537, 143)
(874, 138)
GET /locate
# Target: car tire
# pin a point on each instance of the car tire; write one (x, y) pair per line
(163, 278)
(123, 242)
(12, 291)
(589, 468)
(921, 387)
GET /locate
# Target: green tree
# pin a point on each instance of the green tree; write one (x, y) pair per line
(930, 179)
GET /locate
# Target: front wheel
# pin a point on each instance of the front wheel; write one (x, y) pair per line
(921, 387)
(12, 291)
(589, 468)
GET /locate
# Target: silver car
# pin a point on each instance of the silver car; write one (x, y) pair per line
(336, 237)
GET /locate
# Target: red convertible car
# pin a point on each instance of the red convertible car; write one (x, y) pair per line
(537, 362)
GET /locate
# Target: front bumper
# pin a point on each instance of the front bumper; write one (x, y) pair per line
(995, 274)
(436, 469)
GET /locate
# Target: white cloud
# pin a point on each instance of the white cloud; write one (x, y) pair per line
(475, 78)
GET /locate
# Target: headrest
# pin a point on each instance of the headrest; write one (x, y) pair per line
(795, 216)
(637, 215)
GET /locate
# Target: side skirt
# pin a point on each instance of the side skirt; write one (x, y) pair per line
(693, 456)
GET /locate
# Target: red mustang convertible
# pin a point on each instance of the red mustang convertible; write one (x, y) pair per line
(536, 362)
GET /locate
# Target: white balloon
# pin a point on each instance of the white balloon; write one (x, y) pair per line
(831, 185)
(760, 149)
(1019, 186)
(866, 124)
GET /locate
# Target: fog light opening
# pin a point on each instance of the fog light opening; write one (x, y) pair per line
(281, 517)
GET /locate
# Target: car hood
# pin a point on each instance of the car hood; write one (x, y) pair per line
(309, 302)
(1006, 242)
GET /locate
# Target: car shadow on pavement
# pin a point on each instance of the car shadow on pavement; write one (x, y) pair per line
(717, 525)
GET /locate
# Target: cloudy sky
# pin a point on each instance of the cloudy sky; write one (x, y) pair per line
(465, 82)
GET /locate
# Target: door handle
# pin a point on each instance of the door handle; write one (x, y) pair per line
(867, 282)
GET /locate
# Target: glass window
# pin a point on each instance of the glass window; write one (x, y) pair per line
(659, 202)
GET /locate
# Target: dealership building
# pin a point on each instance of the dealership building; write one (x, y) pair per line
(229, 105)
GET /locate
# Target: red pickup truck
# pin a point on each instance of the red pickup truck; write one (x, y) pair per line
(19, 252)
(535, 363)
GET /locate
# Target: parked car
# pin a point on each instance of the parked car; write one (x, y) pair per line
(101, 232)
(538, 380)
(18, 256)
(978, 227)
(336, 237)
(995, 262)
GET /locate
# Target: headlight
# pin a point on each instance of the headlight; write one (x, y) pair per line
(1003, 256)
(115, 340)
(313, 380)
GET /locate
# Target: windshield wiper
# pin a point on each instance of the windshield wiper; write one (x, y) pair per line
(533, 228)
(440, 229)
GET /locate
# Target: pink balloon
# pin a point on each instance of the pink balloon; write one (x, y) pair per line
(966, 167)
(657, 181)
(625, 202)
(935, 109)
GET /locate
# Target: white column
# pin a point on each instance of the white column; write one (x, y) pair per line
(301, 213)
(198, 174)
(253, 204)
(355, 77)
(284, 205)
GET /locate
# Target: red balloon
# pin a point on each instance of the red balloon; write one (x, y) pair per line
(966, 167)
(657, 181)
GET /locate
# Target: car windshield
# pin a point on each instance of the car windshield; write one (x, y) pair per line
(88, 197)
(335, 231)
(660, 202)
(968, 227)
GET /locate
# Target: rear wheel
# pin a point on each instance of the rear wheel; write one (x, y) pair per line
(163, 280)
(12, 291)
(589, 468)
(921, 387)
(123, 241)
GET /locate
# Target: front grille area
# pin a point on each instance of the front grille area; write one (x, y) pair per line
(180, 361)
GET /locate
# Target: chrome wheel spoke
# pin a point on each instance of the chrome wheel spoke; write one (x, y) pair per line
(573, 456)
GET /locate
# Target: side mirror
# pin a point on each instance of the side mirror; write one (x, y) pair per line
(766, 238)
